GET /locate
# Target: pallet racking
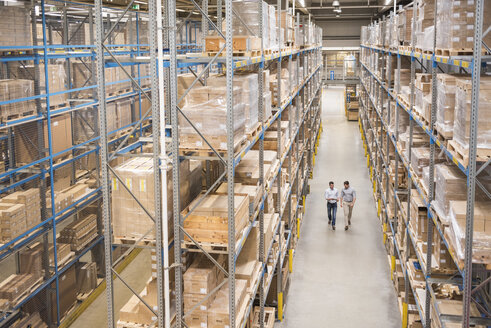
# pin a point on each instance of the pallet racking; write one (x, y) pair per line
(54, 26)
(381, 139)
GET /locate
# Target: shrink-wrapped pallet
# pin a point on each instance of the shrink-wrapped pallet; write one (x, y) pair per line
(129, 220)
(15, 26)
(16, 89)
(446, 88)
(462, 116)
(56, 79)
(450, 184)
(481, 242)
(455, 26)
(248, 84)
(207, 110)
(248, 10)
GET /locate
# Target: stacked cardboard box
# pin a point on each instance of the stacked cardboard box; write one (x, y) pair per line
(208, 222)
(31, 200)
(287, 27)
(129, 219)
(15, 27)
(218, 314)
(116, 80)
(481, 243)
(67, 196)
(455, 26)
(15, 285)
(12, 221)
(200, 279)
(16, 89)
(206, 107)
(248, 84)
(56, 81)
(424, 24)
(248, 13)
(79, 233)
(462, 116)
(26, 139)
(87, 277)
(446, 88)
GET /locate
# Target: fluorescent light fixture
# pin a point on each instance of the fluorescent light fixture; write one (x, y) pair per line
(337, 10)
(179, 9)
(301, 3)
(140, 2)
(335, 3)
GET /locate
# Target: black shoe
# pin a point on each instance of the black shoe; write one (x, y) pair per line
(333, 227)
(345, 228)
(330, 221)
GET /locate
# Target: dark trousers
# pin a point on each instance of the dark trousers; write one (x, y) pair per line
(331, 212)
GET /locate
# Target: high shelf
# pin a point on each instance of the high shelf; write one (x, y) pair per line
(51, 190)
(101, 102)
(414, 165)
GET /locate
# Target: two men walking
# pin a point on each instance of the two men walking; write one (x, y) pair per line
(348, 197)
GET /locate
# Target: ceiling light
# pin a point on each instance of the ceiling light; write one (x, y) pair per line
(335, 3)
(337, 10)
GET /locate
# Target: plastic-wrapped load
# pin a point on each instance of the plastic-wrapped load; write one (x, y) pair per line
(16, 89)
(450, 184)
(429, 34)
(364, 35)
(56, 78)
(405, 78)
(446, 86)
(406, 25)
(463, 110)
(129, 219)
(425, 181)
(425, 19)
(267, 105)
(248, 12)
(420, 158)
(15, 29)
(248, 84)
(455, 25)
(273, 27)
(403, 118)
(209, 114)
(481, 242)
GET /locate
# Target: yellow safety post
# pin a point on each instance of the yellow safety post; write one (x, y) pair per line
(385, 232)
(368, 160)
(298, 228)
(280, 306)
(303, 203)
(379, 208)
(404, 315)
(392, 266)
(313, 160)
(290, 260)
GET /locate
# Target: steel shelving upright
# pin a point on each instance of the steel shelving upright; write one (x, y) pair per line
(474, 277)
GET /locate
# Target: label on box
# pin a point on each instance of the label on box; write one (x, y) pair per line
(202, 307)
(203, 325)
(143, 185)
(199, 143)
(202, 290)
(129, 183)
(115, 184)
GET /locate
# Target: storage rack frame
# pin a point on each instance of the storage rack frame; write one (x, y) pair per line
(44, 167)
(167, 83)
(475, 276)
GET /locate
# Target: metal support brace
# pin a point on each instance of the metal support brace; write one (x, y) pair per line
(106, 209)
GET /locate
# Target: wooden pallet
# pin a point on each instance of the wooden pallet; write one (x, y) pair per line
(213, 248)
(235, 53)
(254, 131)
(269, 317)
(6, 118)
(130, 240)
(454, 52)
(462, 154)
(443, 136)
(187, 147)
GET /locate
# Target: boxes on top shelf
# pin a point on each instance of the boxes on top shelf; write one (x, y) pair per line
(16, 89)
(15, 26)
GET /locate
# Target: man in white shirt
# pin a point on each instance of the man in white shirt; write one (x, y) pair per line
(332, 196)
(348, 197)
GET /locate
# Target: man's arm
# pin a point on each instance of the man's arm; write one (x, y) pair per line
(341, 198)
(354, 198)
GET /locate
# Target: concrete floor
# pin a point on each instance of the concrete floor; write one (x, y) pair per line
(340, 278)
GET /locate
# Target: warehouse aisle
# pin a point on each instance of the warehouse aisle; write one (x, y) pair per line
(340, 278)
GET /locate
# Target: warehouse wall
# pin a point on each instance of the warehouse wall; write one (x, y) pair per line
(341, 33)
